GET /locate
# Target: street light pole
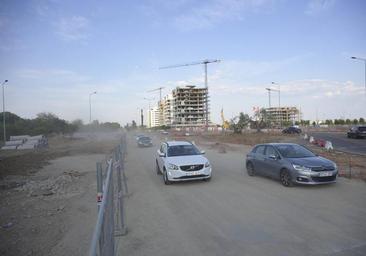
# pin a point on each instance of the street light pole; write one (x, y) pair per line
(269, 97)
(364, 60)
(90, 115)
(4, 127)
(279, 101)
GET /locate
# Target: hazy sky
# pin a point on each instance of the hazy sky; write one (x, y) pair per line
(54, 53)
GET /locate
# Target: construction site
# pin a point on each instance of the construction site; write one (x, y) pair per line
(183, 107)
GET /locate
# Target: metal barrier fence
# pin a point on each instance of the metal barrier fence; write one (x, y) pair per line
(111, 212)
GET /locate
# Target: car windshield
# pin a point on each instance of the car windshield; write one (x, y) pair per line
(294, 151)
(183, 150)
(144, 139)
(362, 128)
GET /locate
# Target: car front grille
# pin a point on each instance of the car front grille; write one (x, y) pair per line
(324, 179)
(191, 177)
(191, 168)
(322, 168)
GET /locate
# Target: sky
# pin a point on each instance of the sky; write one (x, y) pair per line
(55, 53)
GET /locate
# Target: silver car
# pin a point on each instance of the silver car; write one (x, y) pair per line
(181, 160)
(291, 164)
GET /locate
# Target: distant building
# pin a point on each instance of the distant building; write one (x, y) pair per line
(189, 106)
(154, 117)
(283, 114)
(184, 107)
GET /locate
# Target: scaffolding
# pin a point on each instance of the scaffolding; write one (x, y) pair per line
(282, 115)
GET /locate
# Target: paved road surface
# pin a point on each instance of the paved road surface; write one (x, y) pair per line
(342, 143)
(235, 214)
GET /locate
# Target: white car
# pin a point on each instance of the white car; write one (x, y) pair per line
(181, 160)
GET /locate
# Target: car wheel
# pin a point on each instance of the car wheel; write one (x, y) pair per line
(285, 177)
(250, 169)
(158, 172)
(165, 177)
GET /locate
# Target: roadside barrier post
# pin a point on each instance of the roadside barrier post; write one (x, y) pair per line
(121, 218)
(99, 184)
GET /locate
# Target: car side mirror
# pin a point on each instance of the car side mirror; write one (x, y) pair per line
(273, 157)
(203, 152)
(161, 154)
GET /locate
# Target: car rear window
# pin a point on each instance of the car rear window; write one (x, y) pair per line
(362, 128)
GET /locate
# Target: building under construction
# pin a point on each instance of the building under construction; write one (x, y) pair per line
(184, 107)
(283, 115)
(189, 106)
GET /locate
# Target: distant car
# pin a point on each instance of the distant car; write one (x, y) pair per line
(139, 136)
(290, 163)
(180, 161)
(357, 132)
(164, 132)
(292, 130)
(144, 141)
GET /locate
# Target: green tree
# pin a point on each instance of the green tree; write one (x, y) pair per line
(329, 121)
(361, 120)
(239, 123)
(355, 121)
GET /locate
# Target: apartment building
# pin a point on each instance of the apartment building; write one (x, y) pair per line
(189, 106)
(183, 107)
(154, 117)
(283, 114)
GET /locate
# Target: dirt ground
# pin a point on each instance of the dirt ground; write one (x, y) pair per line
(47, 196)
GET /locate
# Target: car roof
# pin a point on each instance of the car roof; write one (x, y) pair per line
(178, 143)
(276, 144)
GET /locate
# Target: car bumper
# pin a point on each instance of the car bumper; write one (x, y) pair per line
(315, 178)
(179, 175)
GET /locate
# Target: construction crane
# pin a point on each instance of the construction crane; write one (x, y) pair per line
(202, 62)
(157, 89)
(225, 123)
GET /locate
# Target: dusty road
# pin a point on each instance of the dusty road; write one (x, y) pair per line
(235, 214)
(342, 143)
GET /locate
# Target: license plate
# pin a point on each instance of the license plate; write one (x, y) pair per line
(325, 174)
(192, 173)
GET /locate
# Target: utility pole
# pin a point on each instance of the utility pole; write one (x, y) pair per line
(279, 102)
(4, 127)
(142, 118)
(364, 60)
(269, 97)
(90, 115)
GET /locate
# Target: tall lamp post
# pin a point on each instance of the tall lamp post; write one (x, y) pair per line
(3, 85)
(364, 60)
(90, 115)
(279, 101)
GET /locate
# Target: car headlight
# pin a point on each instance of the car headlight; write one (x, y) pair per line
(301, 168)
(207, 164)
(172, 167)
(335, 166)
